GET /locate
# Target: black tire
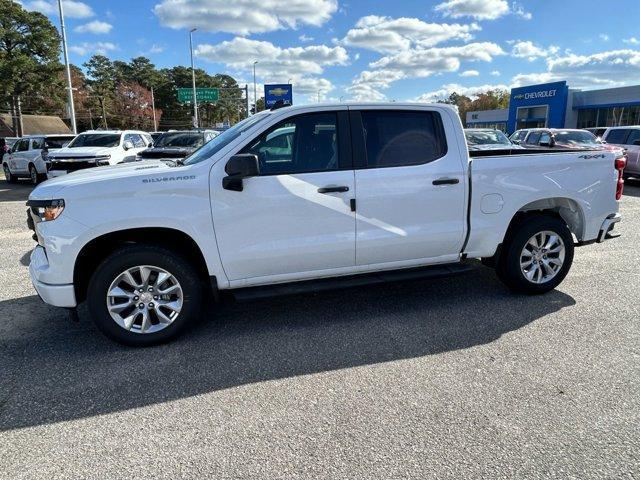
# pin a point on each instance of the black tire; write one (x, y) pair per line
(34, 178)
(9, 177)
(131, 256)
(508, 268)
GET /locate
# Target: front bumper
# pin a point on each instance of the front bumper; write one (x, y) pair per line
(607, 226)
(56, 295)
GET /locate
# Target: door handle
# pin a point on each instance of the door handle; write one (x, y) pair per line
(333, 189)
(446, 181)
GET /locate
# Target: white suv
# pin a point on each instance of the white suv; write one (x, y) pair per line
(98, 147)
(28, 156)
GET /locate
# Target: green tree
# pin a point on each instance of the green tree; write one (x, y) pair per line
(101, 79)
(29, 51)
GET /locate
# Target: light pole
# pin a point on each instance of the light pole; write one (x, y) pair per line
(193, 78)
(72, 110)
(255, 88)
(153, 107)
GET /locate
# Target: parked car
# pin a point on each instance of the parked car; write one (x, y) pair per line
(629, 139)
(361, 191)
(597, 131)
(96, 148)
(487, 139)
(156, 135)
(28, 157)
(518, 136)
(178, 144)
(561, 138)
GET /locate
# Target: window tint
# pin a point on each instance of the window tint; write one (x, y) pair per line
(617, 136)
(37, 143)
(633, 137)
(394, 139)
(22, 146)
(545, 138)
(57, 142)
(307, 143)
(533, 138)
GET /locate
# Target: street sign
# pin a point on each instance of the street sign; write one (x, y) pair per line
(185, 95)
(273, 93)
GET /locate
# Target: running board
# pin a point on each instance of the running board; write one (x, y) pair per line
(295, 288)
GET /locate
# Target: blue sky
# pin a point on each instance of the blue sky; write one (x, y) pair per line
(368, 49)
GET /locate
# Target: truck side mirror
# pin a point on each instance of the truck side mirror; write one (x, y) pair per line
(243, 165)
(127, 145)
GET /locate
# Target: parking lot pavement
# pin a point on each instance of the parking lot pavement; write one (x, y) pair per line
(444, 378)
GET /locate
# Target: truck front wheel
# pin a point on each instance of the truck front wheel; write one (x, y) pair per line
(144, 295)
(538, 255)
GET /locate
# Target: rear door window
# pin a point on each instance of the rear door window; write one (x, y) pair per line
(617, 136)
(533, 138)
(396, 139)
(634, 136)
(37, 143)
(544, 138)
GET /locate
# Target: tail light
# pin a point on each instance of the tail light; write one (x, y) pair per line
(620, 163)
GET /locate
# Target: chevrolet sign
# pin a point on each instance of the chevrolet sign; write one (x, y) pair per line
(278, 93)
(532, 95)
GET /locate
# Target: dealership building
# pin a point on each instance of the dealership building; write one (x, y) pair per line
(555, 105)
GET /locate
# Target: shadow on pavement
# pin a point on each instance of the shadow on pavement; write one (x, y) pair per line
(632, 187)
(14, 192)
(55, 370)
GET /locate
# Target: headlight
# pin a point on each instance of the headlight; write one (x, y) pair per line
(46, 210)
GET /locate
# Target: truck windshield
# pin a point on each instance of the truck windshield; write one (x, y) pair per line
(96, 140)
(484, 137)
(225, 138)
(180, 139)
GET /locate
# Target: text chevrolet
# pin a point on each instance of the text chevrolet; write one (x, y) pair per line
(301, 197)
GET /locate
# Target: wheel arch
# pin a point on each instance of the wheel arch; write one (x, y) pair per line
(98, 248)
(565, 209)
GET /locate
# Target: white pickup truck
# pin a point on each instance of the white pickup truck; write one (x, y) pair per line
(307, 197)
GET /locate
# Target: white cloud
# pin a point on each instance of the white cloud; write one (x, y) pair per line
(446, 90)
(495, 73)
(305, 38)
(97, 27)
(478, 9)
(367, 85)
(530, 51)
(519, 11)
(423, 63)
(631, 41)
(156, 48)
(86, 48)
(606, 69)
(243, 16)
(72, 9)
(604, 37)
(470, 73)
(388, 35)
(240, 53)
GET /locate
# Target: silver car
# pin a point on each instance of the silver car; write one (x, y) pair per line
(627, 138)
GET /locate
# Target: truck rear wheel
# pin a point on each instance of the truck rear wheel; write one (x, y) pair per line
(144, 295)
(538, 255)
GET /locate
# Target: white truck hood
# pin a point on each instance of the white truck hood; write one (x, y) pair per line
(82, 152)
(48, 189)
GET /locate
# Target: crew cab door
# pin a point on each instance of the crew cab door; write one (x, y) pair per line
(17, 157)
(410, 184)
(294, 218)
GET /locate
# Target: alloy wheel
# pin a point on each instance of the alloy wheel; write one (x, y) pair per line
(542, 257)
(145, 299)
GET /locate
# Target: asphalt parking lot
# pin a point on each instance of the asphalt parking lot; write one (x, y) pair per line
(443, 378)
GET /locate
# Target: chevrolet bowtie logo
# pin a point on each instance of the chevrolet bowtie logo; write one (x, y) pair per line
(278, 91)
(518, 97)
